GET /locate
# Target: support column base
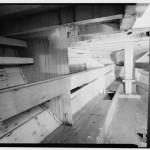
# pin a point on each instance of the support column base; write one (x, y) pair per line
(128, 85)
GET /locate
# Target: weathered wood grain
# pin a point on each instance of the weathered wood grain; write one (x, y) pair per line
(18, 99)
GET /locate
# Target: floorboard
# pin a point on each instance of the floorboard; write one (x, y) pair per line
(87, 124)
(130, 118)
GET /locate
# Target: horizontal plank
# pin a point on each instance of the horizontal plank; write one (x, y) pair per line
(142, 85)
(32, 131)
(122, 32)
(109, 116)
(15, 100)
(18, 99)
(81, 78)
(15, 60)
(102, 19)
(81, 97)
(12, 42)
(16, 121)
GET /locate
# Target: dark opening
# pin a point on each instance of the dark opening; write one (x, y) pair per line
(142, 137)
(78, 88)
(109, 96)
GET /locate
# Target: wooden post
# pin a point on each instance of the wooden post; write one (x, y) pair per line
(60, 106)
(128, 66)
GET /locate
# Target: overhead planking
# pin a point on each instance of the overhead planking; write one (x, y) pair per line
(87, 76)
(68, 15)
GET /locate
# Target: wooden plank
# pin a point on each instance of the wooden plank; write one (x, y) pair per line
(148, 124)
(122, 32)
(131, 11)
(86, 127)
(129, 119)
(143, 93)
(33, 131)
(50, 57)
(109, 117)
(77, 68)
(130, 96)
(16, 121)
(81, 97)
(12, 9)
(18, 99)
(142, 85)
(102, 19)
(12, 42)
(10, 75)
(15, 61)
(81, 78)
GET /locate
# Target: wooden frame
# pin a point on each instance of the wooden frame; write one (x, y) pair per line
(96, 20)
(18, 99)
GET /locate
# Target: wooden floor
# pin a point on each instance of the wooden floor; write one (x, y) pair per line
(87, 126)
(130, 118)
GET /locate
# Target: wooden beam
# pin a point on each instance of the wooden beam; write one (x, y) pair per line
(16, 121)
(12, 42)
(18, 99)
(148, 121)
(15, 60)
(128, 32)
(33, 31)
(102, 19)
(84, 77)
(81, 97)
(131, 13)
(109, 117)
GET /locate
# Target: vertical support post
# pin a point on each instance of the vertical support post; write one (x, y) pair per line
(128, 66)
(148, 121)
(60, 106)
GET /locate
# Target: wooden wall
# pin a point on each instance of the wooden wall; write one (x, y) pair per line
(50, 61)
(10, 75)
(98, 28)
(50, 57)
(142, 82)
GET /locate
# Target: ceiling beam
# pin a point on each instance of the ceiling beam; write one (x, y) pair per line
(128, 32)
(98, 20)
